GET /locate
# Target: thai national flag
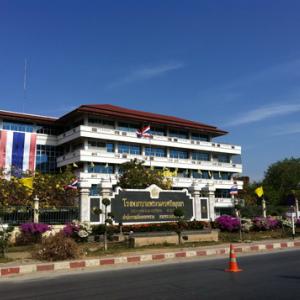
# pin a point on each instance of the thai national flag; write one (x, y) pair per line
(17, 152)
(144, 132)
(234, 190)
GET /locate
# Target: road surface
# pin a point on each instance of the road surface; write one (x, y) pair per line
(268, 276)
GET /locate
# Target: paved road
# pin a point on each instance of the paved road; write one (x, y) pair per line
(269, 276)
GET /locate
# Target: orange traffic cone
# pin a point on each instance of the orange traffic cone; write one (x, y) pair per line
(233, 266)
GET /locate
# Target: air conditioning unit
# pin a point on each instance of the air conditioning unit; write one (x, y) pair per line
(117, 132)
(193, 142)
(170, 139)
(94, 176)
(124, 155)
(213, 144)
(94, 153)
(151, 158)
(232, 147)
(175, 140)
(124, 133)
(94, 129)
(198, 143)
(218, 145)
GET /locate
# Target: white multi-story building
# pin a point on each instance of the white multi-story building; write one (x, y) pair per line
(97, 139)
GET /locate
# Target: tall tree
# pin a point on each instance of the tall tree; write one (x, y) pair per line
(281, 180)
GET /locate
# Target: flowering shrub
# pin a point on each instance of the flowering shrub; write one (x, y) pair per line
(34, 228)
(77, 230)
(31, 233)
(262, 224)
(227, 223)
(5, 233)
(57, 247)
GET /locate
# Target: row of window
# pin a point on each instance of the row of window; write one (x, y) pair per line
(203, 174)
(135, 149)
(26, 127)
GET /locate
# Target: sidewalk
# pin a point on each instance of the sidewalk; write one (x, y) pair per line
(148, 255)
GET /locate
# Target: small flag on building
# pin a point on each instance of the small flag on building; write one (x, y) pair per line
(144, 132)
(233, 190)
(73, 185)
(259, 191)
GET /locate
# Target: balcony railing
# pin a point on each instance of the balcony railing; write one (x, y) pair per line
(114, 134)
(119, 158)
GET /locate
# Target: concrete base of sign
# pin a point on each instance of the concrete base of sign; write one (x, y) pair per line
(159, 238)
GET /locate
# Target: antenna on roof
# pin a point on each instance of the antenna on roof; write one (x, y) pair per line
(24, 83)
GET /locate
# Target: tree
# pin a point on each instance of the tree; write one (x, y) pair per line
(48, 187)
(136, 176)
(281, 180)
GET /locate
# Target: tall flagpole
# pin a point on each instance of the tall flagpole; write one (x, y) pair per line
(24, 83)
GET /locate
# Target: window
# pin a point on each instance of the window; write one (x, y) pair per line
(154, 151)
(96, 144)
(130, 149)
(18, 126)
(46, 158)
(223, 158)
(157, 131)
(197, 155)
(110, 147)
(178, 133)
(177, 153)
(199, 137)
(200, 174)
(101, 168)
(128, 127)
(47, 130)
(222, 193)
(94, 190)
(101, 122)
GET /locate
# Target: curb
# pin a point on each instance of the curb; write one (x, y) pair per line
(141, 258)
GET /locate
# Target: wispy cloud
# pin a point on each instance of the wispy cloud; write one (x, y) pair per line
(265, 112)
(291, 128)
(235, 90)
(147, 73)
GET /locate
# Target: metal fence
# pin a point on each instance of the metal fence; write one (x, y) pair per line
(52, 216)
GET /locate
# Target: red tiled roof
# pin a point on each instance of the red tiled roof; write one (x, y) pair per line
(27, 117)
(141, 116)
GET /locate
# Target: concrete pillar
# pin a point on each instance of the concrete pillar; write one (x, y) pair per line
(36, 212)
(195, 192)
(84, 201)
(211, 201)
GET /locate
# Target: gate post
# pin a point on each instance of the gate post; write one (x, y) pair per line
(195, 192)
(211, 201)
(84, 202)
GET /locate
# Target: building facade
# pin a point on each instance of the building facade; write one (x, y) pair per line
(97, 139)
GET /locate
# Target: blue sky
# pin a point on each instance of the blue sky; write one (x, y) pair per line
(233, 64)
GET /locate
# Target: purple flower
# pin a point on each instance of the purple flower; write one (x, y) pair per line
(34, 228)
(228, 223)
(268, 223)
(70, 229)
